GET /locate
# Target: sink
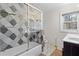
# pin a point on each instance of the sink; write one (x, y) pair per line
(73, 38)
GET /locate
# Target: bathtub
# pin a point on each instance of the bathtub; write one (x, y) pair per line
(36, 51)
(23, 50)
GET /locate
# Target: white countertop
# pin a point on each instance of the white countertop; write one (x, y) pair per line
(72, 38)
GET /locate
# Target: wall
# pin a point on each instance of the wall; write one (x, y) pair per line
(12, 26)
(52, 30)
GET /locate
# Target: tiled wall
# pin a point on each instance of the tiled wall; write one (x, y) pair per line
(13, 28)
(12, 25)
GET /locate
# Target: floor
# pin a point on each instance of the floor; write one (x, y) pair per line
(56, 53)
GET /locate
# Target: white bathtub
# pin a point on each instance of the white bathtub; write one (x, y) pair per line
(36, 51)
(23, 50)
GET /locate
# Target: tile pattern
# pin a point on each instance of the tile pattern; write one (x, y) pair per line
(13, 36)
(3, 13)
(13, 22)
(13, 28)
(20, 41)
(8, 46)
(10, 36)
(36, 37)
(3, 29)
(2, 43)
(13, 8)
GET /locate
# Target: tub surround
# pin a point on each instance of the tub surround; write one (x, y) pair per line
(21, 28)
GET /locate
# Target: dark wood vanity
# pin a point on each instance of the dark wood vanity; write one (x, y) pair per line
(70, 49)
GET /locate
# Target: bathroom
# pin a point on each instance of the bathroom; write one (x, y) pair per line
(39, 29)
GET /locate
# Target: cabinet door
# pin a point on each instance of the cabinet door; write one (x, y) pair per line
(74, 49)
(66, 49)
(70, 49)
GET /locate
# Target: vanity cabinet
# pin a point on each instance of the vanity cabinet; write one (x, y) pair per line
(70, 49)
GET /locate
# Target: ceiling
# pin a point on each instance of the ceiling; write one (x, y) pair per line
(45, 7)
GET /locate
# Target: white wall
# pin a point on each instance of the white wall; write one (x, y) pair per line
(52, 32)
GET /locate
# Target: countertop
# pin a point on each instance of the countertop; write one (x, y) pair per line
(72, 38)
